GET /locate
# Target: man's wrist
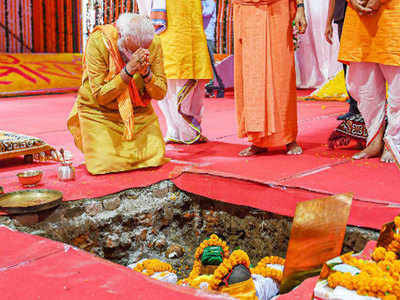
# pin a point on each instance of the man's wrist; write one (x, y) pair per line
(127, 72)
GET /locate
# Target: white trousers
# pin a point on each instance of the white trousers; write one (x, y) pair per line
(367, 84)
(182, 108)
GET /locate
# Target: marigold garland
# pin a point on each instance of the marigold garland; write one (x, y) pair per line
(151, 266)
(238, 257)
(377, 279)
(265, 271)
(214, 240)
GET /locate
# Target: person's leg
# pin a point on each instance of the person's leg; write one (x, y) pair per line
(353, 109)
(210, 85)
(367, 84)
(392, 76)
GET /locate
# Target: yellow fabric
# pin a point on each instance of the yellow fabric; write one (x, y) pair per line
(95, 120)
(202, 278)
(332, 90)
(184, 42)
(375, 38)
(245, 290)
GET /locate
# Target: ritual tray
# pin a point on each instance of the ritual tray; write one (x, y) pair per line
(29, 201)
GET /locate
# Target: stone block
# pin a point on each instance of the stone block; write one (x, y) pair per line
(111, 204)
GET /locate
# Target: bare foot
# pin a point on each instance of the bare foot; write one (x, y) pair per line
(293, 149)
(387, 156)
(202, 139)
(252, 150)
(374, 149)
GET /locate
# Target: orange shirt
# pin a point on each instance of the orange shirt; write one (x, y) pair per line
(374, 38)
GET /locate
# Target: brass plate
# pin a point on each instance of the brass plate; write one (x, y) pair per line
(29, 201)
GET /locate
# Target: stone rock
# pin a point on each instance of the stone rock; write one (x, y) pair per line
(160, 243)
(112, 241)
(174, 251)
(94, 208)
(111, 204)
(161, 193)
(142, 235)
(126, 239)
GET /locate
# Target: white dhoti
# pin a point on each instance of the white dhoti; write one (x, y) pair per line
(182, 108)
(367, 84)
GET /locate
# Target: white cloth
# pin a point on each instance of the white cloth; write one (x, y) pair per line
(182, 108)
(266, 287)
(367, 84)
(316, 59)
(146, 7)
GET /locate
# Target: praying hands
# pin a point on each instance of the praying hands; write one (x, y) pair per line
(366, 7)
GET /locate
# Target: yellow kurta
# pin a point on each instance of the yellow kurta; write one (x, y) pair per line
(95, 121)
(374, 38)
(184, 42)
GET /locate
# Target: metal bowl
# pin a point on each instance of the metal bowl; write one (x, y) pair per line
(29, 201)
(30, 178)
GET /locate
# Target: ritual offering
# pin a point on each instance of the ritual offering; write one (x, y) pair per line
(30, 178)
(208, 256)
(29, 201)
(351, 277)
(66, 171)
(156, 269)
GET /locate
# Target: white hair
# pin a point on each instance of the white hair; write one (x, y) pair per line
(137, 27)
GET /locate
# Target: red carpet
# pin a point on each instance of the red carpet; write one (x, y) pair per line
(32, 267)
(273, 182)
(35, 267)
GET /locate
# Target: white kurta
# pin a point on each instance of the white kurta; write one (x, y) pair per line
(316, 59)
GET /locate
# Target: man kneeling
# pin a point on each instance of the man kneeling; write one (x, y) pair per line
(112, 121)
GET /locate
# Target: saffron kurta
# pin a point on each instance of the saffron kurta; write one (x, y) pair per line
(374, 38)
(265, 79)
(95, 120)
(184, 42)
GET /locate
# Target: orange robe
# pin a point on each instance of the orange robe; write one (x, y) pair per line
(265, 78)
(375, 38)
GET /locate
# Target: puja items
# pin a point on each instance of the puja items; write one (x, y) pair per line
(369, 278)
(66, 171)
(30, 178)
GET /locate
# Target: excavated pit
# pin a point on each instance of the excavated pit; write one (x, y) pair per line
(164, 222)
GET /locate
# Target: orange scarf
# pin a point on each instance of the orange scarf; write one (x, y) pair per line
(130, 97)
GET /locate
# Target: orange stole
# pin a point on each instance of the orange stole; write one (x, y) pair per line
(130, 98)
(265, 79)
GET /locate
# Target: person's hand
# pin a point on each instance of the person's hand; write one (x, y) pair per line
(329, 32)
(300, 20)
(140, 57)
(359, 6)
(374, 5)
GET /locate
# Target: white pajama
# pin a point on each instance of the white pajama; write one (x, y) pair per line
(367, 84)
(182, 108)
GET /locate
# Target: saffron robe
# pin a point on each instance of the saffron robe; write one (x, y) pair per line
(265, 79)
(95, 120)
